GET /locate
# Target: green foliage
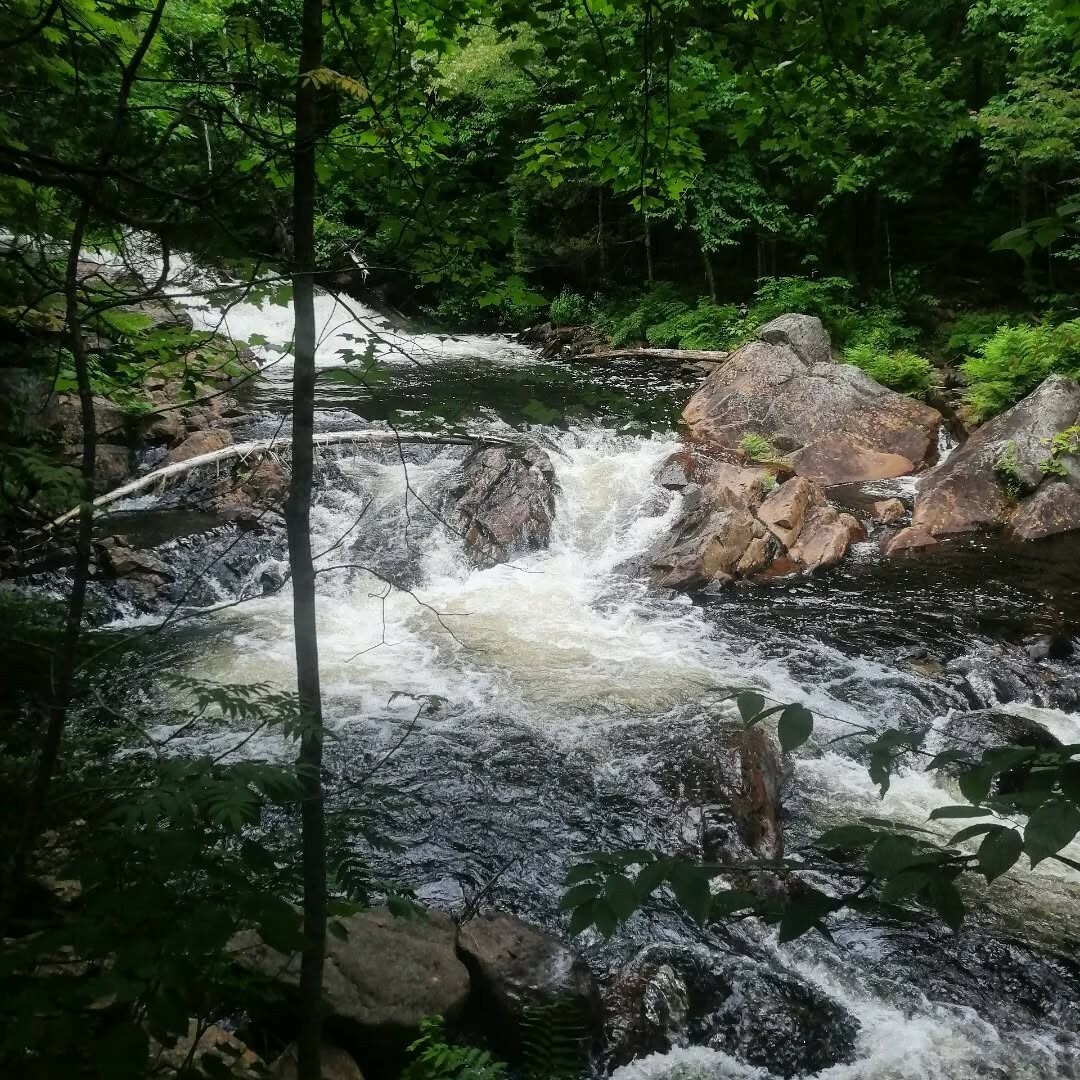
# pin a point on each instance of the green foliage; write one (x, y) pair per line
(628, 322)
(901, 370)
(555, 1040)
(569, 308)
(758, 448)
(706, 326)
(830, 299)
(434, 1057)
(1064, 444)
(1007, 469)
(892, 869)
(1015, 360)
(968, 333)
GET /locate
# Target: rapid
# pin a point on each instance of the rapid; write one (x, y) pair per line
(532, 712)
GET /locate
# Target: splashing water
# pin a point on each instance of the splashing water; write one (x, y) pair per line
(569, 695)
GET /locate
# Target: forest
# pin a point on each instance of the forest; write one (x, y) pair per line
(540, 541)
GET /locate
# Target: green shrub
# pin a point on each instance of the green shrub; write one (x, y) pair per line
(883, 327)
(434, 1057)
(1007, 468)
(827, 298)
(706, 326)
(1014, 360)
(969, 332)
(569, 309)
(901, 370)
(758, 448)
(630, 321)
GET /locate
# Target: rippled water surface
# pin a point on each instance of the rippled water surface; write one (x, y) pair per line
(570, 708)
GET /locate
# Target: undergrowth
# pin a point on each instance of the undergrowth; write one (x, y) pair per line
(900, 370)
(1014, 360)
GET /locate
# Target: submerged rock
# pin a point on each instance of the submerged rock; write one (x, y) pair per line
(1006, 475)
(378, 984)
(746, 1006)
(503, 502)
(1000, 674)
(526, 979)
(839, 425)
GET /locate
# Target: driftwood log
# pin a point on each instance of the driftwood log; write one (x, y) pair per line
(258, 446)
(674, 356)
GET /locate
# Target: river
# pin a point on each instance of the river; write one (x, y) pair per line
(567, 708)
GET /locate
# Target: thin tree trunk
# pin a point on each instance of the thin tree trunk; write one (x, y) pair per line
(63, 673)
(648, 253)
(298, 524)
(888, 253)
(600, 239)
(710, 277)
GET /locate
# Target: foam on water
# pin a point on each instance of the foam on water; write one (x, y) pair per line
(564, 646)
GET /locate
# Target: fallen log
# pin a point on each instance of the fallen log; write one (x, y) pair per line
(258, 446)
(674, 356)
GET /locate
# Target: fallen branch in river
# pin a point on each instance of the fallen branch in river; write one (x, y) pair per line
(258, 446)
(674, 356)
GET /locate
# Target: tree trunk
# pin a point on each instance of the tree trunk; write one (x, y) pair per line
(600, 238)
(648, 252)
(63, 673)
(710, 277)
(298, 524)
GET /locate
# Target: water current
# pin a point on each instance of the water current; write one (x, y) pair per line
(568, 708)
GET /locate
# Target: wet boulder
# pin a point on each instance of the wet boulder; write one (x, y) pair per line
(1006, 476)
(1009, 983)
(985, 729)
(138, 575)
(739, 522)
(503, 502)
(837, 423)
(197, 444)
(112, 467)
(745, 1006)
(252, 487)
(379, 982)
(63, 416)
(522, 978)
(1000, 674)
(732, 783)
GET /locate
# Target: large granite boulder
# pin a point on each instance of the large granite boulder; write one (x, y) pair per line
(838, 425)
(503, 502)
(379, 981)
(1006, 474)
(739, 522)
(524, 978)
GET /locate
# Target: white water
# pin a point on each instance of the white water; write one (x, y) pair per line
(564, 648)
(564, 645)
